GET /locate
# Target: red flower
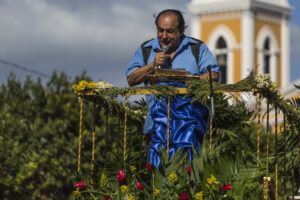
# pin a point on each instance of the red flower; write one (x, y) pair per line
(139, 186)
(149, 166)
(184, 196)
(121, 176)
(226, 187)
(81, 185)
(107, 197)
(188, 170)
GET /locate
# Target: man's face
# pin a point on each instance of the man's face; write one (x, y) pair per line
(167, 32)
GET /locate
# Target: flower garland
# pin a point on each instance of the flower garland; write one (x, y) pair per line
(198, 89)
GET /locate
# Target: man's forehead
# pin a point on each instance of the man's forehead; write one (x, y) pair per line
(169, 19)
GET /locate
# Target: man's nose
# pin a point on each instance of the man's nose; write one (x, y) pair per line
(165, 34)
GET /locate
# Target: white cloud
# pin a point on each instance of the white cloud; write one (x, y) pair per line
(99, 36)
(73, 35)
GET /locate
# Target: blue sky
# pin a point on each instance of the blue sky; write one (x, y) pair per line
(97, 36)
(295, 37)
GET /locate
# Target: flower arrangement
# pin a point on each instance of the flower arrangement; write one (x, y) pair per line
(84, 86)
(174, 182)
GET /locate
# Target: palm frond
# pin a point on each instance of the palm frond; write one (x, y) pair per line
(297, 86)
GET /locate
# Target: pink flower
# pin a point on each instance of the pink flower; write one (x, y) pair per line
(149, 166)
(81, 185)
(188, 170)
(121, 176)
(107, 197)
(226, 187)
(184, 196)
(139, 186)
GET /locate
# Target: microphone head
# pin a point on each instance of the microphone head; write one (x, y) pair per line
(165, 48)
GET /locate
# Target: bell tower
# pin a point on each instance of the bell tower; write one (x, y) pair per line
(245, 34)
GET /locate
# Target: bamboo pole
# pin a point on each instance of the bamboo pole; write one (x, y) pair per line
(258, 131)
(267, 179)
(276, 156)
(284, 138)
(168, 128)
(80, 134)
(125, 129)
(93, 145)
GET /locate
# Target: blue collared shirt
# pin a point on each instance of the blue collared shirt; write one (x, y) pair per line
(183, 59)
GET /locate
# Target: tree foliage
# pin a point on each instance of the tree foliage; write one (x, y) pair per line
(38, 133)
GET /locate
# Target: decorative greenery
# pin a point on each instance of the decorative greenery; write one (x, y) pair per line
(39, 137)
(199, 90)
(229, 147)
(172, 180)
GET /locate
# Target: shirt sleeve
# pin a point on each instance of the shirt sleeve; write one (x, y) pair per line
(206, 59)
(136, 62)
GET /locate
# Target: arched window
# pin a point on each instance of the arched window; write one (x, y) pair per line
(221, 58)
(268, 52)
(266, 56)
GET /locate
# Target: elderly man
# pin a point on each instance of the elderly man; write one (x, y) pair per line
(173, 50)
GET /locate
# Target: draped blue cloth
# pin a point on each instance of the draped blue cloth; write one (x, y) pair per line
(188, 124)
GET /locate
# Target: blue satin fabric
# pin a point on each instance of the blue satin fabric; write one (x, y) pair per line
(188, 124)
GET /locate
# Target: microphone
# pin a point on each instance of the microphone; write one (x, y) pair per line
(165, 49)
(212, 104)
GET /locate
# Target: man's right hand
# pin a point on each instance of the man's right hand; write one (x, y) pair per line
(139, 75)
(160, 59)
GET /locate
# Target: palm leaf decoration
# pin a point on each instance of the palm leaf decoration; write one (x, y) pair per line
(297, 86)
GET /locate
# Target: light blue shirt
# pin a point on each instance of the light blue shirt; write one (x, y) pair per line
(183, 59)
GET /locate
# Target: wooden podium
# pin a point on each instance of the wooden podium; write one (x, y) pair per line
(168, 75)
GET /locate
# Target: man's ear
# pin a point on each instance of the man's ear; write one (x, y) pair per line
(181, 32)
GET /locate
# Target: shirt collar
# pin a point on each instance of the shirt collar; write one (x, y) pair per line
(155, 44)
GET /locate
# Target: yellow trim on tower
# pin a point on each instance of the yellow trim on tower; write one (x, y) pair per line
(237, 69)
(207, 26)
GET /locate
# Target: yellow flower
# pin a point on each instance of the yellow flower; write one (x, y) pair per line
(266, 101)
(124, 188)
(132, 168)
(156, 192)
(212, 181)
(103, 180)
(76, 193)
(173, 177)
(131, 197)
(199, 196)
(294, 109)
(266, 76)
(82, 85)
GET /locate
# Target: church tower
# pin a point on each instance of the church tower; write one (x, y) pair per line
(245, 34)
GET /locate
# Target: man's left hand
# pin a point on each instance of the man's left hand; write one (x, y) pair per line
(214, 76)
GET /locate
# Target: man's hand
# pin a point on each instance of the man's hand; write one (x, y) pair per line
(160, 58)
(139, 75)
(214, 76)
